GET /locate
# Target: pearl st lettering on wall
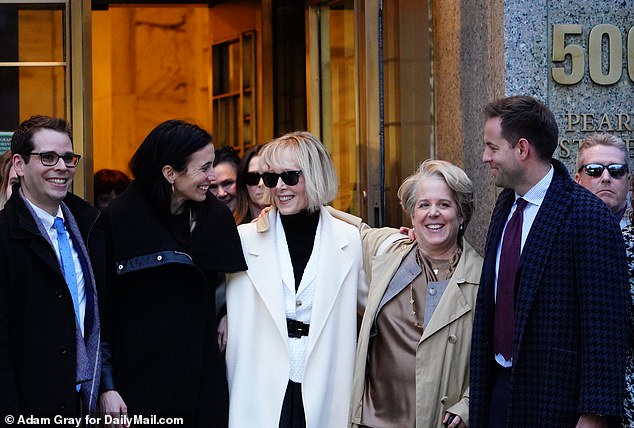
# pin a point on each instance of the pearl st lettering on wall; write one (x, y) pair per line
(622, 124)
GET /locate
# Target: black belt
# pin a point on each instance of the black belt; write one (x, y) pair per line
(296, 328)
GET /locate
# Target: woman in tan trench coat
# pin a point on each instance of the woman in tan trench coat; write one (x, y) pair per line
(412, 361)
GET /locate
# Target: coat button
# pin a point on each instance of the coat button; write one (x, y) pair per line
(59, 294)
(298, 303)
(120, 267)
(444, 399)
(159, 258)
(453, 338)
(63, 350)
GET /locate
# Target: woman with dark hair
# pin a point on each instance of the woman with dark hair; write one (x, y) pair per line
(169, 240)
(225, 184)
(108, 184)
(250, 179)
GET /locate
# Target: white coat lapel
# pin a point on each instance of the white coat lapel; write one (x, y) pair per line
(264, 273)
(332, 268)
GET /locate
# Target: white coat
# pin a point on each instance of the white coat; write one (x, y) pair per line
(258, 360)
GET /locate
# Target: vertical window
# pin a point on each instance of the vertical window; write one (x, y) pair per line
(233, 95)
(33, 61)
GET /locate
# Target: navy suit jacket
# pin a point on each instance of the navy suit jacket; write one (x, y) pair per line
(571, 312)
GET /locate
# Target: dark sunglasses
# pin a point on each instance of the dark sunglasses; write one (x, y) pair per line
(290, 178)
(616, 170)
(252, 178)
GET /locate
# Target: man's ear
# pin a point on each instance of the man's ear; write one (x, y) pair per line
(18, 164)
(169, 173)
(524, 148)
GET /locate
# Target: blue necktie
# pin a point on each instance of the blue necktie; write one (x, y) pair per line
(68, 266)
(67, 262)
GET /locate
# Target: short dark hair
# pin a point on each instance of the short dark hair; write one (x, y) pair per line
(525, 117)
(22, 140)
(107, 180)
(169, 143)
(226, 154)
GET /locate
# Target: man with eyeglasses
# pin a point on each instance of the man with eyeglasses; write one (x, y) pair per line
(603, 169)
(51, 259)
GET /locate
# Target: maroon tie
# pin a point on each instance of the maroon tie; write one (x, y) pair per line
(505, 301)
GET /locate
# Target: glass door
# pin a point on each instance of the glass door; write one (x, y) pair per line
(332, 93)
(42, 71)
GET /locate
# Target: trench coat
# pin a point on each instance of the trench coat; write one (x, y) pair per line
(258, 357)
(442, 354)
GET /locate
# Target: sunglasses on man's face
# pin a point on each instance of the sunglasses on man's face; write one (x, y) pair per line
(616, 170)
(252, 178)
(290, 178)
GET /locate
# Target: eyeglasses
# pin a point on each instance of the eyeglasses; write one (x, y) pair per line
(51, 158)
(616, 170)
(290, 178)
(252, 178)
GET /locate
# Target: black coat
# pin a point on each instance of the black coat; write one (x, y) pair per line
(571, 313)
(160, 315)
(37, 317)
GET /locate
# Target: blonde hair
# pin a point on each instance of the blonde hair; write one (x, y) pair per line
(313, 160)
(455, 178)
(602, 139)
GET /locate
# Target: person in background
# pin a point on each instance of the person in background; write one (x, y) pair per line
(628, 413)
(603, 168)
(250, 179)
(169, 240)
(412, 365)
(108, 184)
(292, 322)
(52, 259)
(224, 186)
(8, 177)
(549, 346)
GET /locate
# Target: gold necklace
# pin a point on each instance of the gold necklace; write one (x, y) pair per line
(418, 324)
(453, 261)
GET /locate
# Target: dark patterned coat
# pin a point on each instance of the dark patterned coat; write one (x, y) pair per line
(571, 312)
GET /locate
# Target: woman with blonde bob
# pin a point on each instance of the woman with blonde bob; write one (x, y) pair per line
(412, 364)
(292, 315)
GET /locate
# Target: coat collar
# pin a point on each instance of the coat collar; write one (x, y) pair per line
(453, 303)
(137, 231)
(266, 276)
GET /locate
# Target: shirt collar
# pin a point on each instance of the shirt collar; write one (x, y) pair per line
(46, 219)
(537, 193)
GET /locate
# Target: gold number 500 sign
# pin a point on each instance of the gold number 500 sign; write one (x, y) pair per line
(595, 67)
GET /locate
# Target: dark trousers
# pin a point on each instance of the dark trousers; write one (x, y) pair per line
(292, 415)
(500, 398)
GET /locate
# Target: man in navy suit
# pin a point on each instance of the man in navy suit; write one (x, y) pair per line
(560, 360)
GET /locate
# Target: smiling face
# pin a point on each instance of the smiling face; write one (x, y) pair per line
(436, 219)
(611, 190)
(289, 199)
(193, 182)
(224, 185)
(46, 186)
(257, 195)
(500, 156)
